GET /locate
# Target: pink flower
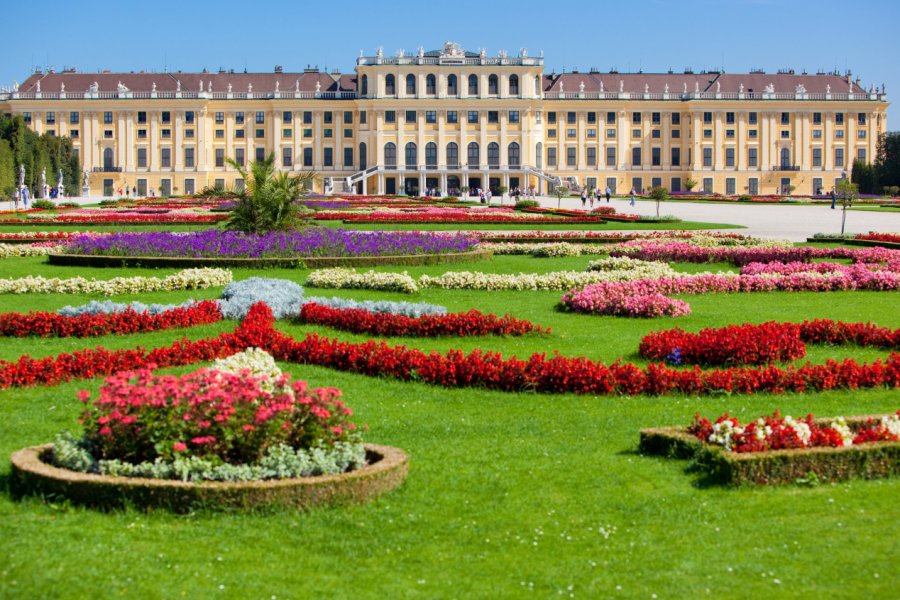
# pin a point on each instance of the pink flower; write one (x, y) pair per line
(179, 446)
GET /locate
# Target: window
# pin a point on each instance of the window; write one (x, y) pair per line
(785, 118)
(74, 118)
(307, 117)
(189, 117)
(707, 118)
(675, 133)
(611, 156)
(656, 157)
(838, 134)
(287, 133)
(473, 116)
(307, 157)
(287, 116)
(108, 119)
(239, 118)
(514, 85)
(362, 118)
(494, 155)
(328, 117)
(142, 134)
(676, 157)
(838, 158)
(473, 158)
(551, 133)
(636, 157)
(142, 158)
(730, 186)
(189, 134)
(752, 134)
(27, 116)
(328, 157)
(260, 133)
(411, 156)
(219, 184)
(328, 132)
(493, 85)
(452, 87)
(817, 157)
(390, 155)
(189, 158)
(839, 118)
(571, 132)
(592, 157)
(817, 118)
(165, 157)
(390, 85)
(752, 157)
(50, 118)
(591, 118)
(752, 118)
(861, 118)
(551, 157)
(287, 157)
(707, 185)
(636, 134)
(656, 182)
(513, 116)
(165, 187)
(348, 157)
(610, 118)
(473, 85)
(571, 156)
(592, 133)
(861, 134)
(410, 84)
(390, 116)
(676, 184)
(785, 134)
(656, 134)
(431, 155)
(452, 155)
(707, 134)
(637, 184)
(785, 157)
(220, 157)
(676, 118)
(729, 157)
(220, 118)
(430, 116)
(142, 117)
(164, 133)
(107, 134)
(817, 134)
(493, 116)
(364, 85)
(452, 116)
(571, 118)
(551, 118)
(610, 133)
(348, 132)
(430, 85)
(73, 133)
(753, 186)
(307, 133)
(729, 118)
(166, 117)
(410, 116)
(239, 156)
(189, 186)
(260, 154)
(707, 157)
(729, 133)
(861, 154)
(239, 185)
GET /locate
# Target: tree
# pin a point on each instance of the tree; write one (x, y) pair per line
(501, 189)
(561, 192)
(848, 192)
(887, 159)
(37, 153)
(690, 184)
(660, 194)
(268, 201)
(7, 170)
(863, 175)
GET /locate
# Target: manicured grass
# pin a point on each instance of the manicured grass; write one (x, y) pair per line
(508, 495)
(81, 227)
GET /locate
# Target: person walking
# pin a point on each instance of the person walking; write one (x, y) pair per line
(608, 194)
(833, 198)
(583, 199)
(632, 198)
(593, 197)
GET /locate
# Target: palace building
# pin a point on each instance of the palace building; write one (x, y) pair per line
(449, 119)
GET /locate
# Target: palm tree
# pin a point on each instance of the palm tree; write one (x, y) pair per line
(268, 200)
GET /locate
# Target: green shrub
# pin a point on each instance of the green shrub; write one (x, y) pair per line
(745, 198)
(43, 203)
(527, 204)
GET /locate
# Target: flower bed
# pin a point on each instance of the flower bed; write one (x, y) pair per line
(471, 323)
(776, 450)
(188, 279)
(50, 324)
(28, 237)
(33, 249)
(558, 374)
(760, 344)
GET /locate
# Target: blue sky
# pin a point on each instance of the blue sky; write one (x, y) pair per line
(654, 35)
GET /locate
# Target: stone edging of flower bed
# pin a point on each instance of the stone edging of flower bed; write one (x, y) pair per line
(315, 262)
(852, 242)
(777, 467)
(32, 476)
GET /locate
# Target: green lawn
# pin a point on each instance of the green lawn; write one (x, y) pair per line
(508, 495)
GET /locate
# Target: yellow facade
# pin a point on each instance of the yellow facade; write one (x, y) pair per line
(449, 119)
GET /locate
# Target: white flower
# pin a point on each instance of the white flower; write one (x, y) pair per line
(188, 279)
(257, 362)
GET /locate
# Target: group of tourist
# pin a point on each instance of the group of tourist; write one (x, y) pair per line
(593, 194)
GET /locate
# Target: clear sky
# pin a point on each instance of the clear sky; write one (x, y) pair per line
(653, 35)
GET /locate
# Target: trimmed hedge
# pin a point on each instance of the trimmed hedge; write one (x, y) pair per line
(777, 467)
(313, 262)
(32, 476)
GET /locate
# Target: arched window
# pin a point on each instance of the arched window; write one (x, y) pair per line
(514, 85)
(108, 159)
(514, 156)
(390, 155)
(473, 85)
(493, 85)
(390, 85)
(474, 159)
(452, 156)
(431, 155)
(494, 155)
(452, 89)
(364, 85)
(785, 157)
(362, 157)
(430, 85)
(411, 156)
(539, 155)
(410, 84)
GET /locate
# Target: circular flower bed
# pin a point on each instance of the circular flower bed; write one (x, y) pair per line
(240, 421)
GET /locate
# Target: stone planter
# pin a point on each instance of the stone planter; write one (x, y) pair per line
(386, 470)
